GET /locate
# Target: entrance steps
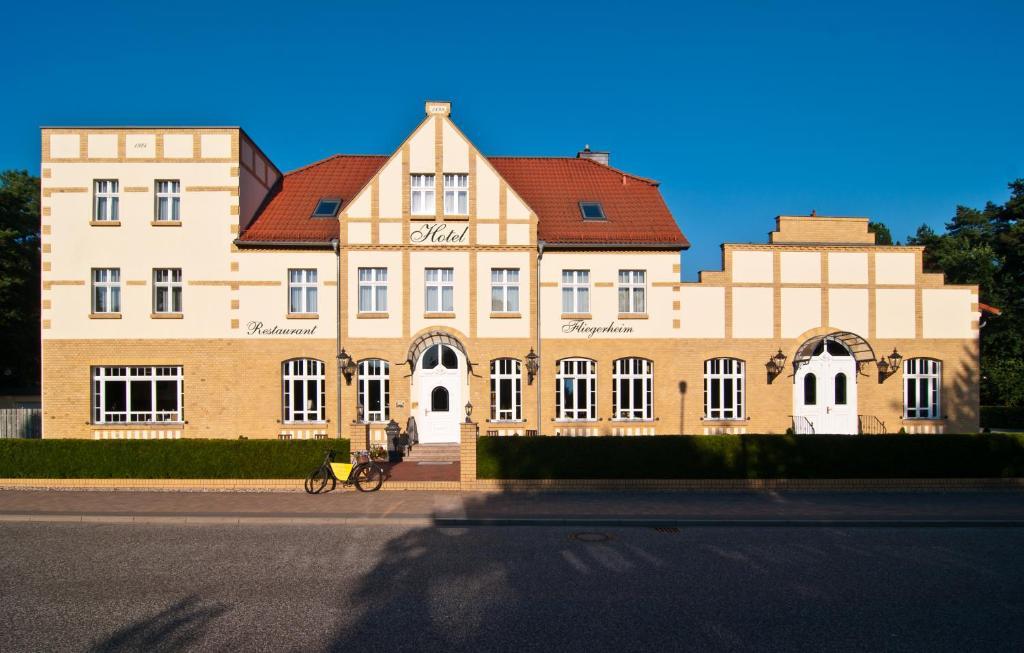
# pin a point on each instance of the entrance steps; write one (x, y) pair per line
(434, 453)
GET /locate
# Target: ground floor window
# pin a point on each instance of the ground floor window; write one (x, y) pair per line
(137, 394)
(506, 390)
(723, 388)
(375, 390)
(303, 387)
(576, 389)
(632, 389)
(922, 381)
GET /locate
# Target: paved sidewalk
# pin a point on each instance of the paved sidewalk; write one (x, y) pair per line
(580, 508)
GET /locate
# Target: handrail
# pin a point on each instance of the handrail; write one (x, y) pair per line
(870, 425)
(802, 425)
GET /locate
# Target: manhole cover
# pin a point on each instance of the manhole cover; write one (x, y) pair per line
(591, 537)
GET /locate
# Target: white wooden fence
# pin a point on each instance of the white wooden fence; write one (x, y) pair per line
(21, 423)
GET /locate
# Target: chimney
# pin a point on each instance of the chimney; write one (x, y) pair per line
(597, 157)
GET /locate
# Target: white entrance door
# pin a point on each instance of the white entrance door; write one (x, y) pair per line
(825, 391)
(439, 381)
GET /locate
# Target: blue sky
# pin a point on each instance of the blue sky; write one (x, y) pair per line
(744, 110)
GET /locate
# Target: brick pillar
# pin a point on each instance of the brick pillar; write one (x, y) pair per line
(468, 432)
(359, 436)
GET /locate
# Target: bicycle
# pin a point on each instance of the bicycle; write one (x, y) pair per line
(365, 474)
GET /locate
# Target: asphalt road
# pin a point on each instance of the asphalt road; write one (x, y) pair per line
(111, 587)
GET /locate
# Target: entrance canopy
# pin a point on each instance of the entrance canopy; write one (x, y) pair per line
(857, 346)
(428, 340)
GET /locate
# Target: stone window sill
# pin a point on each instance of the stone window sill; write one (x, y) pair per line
(456, 218)
(105, 223)
(627, 420)
(104, 316)
(576, 316)
(918, 420)
(167, 316)
(165, 223)
(121, 426)
(506, 316)
(632, 316)
(423, 217)
(726, 421)
(373, 315)
(303, 316)
(437, 315)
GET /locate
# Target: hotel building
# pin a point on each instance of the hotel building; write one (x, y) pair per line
(190, 289)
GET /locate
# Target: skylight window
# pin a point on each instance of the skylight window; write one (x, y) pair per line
(327, 207)
(592, 211)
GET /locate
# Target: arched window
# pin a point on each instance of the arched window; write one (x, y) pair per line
(506, 390)
(442, 355)
(575, 389)
(439, 399)
(375, 390)
(723, 389)
(922, 388)
(810, 390)
(302, 382)
(840, 389)
(632, 389)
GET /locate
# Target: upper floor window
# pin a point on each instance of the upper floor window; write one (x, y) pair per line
(373, 290)
(106, 290)
(168, 200)
(592, 211)
(922, 384)
(632, 291)
(137, 394)
(421, 188)
(576, 389)
(327, 207)
(105, 200)
(575, 291)
(375, 390)
(633, 389)
(302, 291)
(302, 382)
(505, 290)
(167, 290)
(440, 290)
(456, 194)
(506, 390)
(723, 388)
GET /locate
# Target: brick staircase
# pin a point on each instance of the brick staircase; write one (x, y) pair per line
(434, 453)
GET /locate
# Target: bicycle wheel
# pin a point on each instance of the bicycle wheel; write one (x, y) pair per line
(316, 480)
(369, 477)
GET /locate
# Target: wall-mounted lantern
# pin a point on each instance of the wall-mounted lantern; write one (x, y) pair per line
(347, 366)
(469, 411)
(775, 365)
(532, 366)
(889, 365)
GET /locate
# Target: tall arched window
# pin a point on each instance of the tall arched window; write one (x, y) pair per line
(632, 389)
(302, 382)
(922, 388)
(506, 390)
(723, 389)
(810, 389)
(575, 389)
(375, 390)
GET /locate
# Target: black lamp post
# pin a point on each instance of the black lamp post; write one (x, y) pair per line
(347, 366)
(775, 365)
(889, 365)
(532, 366)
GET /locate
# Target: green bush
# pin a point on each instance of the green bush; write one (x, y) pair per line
(164, 459)
(752, 456)
(1002, 417)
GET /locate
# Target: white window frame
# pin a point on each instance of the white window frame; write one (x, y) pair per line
(504, 290)
(421, 194)
(727, 376)
(581, 374)
(373, 290)
(303, 280)
(456, 194)
(305, 374)
(106, 200)
(922, 374)
(506, 369)
(442, 282)
(633, 291)
(375, 371)
(106, 283)
(167, 282)
(167, 200)
(576, 292)
(630, 403)
(102, 375)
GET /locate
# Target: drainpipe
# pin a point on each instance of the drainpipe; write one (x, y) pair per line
(337, 331)
(540, 359)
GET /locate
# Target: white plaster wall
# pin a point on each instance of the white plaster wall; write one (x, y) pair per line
(65, 146)
(375, 328)
(360, 205)
(752, 266)
(102, 146)
(896, 268)
(947, 313)
(518, 234)
(753, 312)
(703, 312)
(178, 146)
(487, 234)
(389, 187)
(848, 310)
(487, 187)
(421, 149)
(269, 304)
(895, 313)
(359, 233)
(848, 268)
(801, 310)
(140, 146)
(503, 327)
(390, 233)
(515, 208)
(800, 267)
(215, 146)
(455, 150)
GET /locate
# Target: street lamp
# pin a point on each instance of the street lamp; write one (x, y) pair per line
(469, 411)
(775, 365)
(347, 366)
(532, 366)
(889, 365)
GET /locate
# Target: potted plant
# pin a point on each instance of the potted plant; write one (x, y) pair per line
(378, 453)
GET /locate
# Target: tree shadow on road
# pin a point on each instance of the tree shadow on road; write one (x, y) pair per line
(177, 627)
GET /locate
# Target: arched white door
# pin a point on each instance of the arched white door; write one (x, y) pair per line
(438, 381)
(825, 391)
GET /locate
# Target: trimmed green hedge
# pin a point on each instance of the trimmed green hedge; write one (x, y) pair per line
(164, 459)
(1002, 417)
(752, 456)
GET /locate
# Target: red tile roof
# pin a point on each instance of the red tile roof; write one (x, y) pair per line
(552, 187)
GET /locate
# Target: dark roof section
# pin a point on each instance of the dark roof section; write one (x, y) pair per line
(553, 187)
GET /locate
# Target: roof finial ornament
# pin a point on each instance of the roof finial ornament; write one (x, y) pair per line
(813, 213)
(586, 147)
